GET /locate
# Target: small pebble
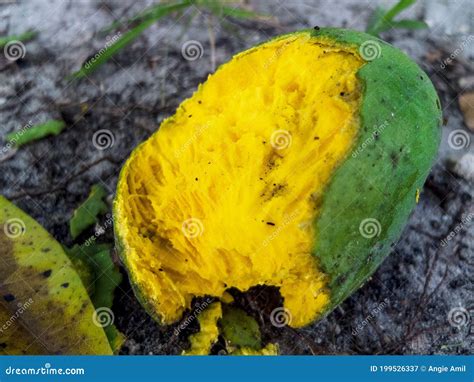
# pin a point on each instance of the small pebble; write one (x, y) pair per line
(465, 167)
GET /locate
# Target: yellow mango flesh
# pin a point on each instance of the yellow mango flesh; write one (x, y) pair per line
(270, 349)
(202, 341)
(224, 195)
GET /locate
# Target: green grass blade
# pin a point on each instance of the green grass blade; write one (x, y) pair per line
(86, 214)
(382, 20)
(218, 8)
(151, 12)
(240, 13)
(27, 36)
(397, 8)
(376, 22)
(36, 132)
(92, 64)
(409, 24)
(100, 58)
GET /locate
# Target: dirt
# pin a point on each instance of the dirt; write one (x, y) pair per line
(418, 302)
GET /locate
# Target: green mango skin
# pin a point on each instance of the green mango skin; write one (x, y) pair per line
(56, 315)
(381, 180)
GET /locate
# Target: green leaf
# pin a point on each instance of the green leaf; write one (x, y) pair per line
(115, 337)
(85, 250)
(240, 329)
(86, 214)
(41, 289)
(79, 256)
(107, 276)
(102, 278)
(409, 24)
(146, 20)
(36, 132)
(84, 271)
(27, 36)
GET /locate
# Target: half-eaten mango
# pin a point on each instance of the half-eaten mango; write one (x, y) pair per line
(294, 165)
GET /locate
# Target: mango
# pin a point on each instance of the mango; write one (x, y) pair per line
(296, 165)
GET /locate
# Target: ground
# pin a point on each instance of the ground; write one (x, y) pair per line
(418, 302)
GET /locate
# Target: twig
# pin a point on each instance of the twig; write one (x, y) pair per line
(212, 42)
(62, 184)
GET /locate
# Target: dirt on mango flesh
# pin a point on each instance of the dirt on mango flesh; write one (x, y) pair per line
(267, 173)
